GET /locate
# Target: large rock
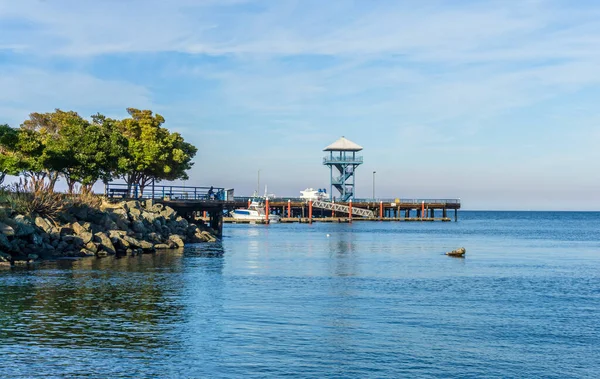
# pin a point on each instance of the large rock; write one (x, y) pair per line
(22, 226)
(148, 216)
(135, 214)
(105, 243)
(457, 253)
(157, 208)
(43, 224)
(37, 239)
(145, 245)
(168, 213)
(5, 243)
(148, 204)
(87, 253)
(5, 257)
(86, 237)
(133, 204)
(138, 227)
(177, 240)
(7, 230)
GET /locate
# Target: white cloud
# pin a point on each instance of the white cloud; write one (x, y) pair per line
(26, 90)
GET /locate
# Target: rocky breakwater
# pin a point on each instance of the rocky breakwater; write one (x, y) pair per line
(126, 228)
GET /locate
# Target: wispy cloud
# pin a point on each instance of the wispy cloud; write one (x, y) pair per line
(484, 88)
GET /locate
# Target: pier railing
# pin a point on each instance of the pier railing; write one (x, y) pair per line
(363, 200)
(121, 190)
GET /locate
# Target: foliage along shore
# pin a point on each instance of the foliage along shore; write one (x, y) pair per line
(125, 228)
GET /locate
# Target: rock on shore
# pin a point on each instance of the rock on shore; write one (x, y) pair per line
(125, 228)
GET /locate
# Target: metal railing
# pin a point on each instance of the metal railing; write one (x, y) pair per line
(343, 208)
(342, 160)
(169, 192)
(362, 200)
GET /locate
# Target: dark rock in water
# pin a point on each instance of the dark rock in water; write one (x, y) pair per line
(177, 240)
(457, 253)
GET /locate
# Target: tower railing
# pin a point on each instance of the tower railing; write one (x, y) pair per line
(346, 159)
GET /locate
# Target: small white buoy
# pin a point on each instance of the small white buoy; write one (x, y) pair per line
(327, 234)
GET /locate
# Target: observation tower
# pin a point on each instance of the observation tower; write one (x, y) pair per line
(342, 157)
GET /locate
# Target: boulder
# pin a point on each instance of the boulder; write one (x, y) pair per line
(156, 208)
(138, 227)
(133, 204)
(86, 253)
(62, 246)
(457, 253)
(80, 212)
(5, 257)
(135, 214)
(160, 246)
(66, 230)
(43, 224)
(78, 228)
(86, 237)
(22, 226)
(33, 256)
(177, 240)
(101, 254)
(7, 230)
(91, 246)
(154, 237)
(37, 239)
(105, 243)
(168, 213)
(148, 204)
(5, 264)
(147, 246)
(5, 243)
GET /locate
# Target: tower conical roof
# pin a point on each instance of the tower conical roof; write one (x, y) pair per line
(343, 144)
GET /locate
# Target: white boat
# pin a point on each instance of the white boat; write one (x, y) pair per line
(255, 212)
(312, 194)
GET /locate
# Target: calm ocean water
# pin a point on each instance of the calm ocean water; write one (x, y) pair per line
(366, 300)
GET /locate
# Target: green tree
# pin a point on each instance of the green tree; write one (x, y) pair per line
(154, 154)
(9, 162)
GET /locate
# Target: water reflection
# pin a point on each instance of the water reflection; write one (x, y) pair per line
(94, 303)
(342, 254)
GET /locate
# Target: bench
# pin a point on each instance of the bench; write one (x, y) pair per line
(121, 192)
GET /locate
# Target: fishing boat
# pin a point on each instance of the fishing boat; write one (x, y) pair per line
(255, 212)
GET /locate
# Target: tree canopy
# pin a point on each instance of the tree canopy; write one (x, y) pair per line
(64, 144)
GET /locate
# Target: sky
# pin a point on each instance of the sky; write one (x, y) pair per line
(494, 102)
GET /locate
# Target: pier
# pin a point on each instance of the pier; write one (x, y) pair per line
(213, 204)
(300, 210)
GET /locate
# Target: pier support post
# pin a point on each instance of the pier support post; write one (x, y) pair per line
(444, 213)
(289, 208)
(248, 203)
(216, 222)
(310, 211)
(422, 209)
(380, 210)
(350, 210)
(267, 210)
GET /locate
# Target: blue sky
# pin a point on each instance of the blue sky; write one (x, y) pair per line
(492, 102)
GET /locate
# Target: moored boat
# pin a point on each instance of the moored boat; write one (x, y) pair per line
(255, 212)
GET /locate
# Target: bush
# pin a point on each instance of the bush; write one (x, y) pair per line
(35, 200)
